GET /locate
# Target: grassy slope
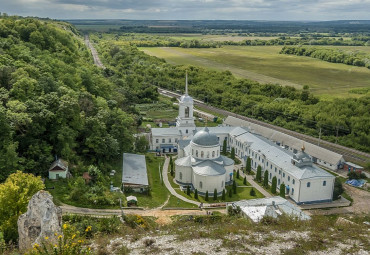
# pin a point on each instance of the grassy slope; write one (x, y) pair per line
(264, 64)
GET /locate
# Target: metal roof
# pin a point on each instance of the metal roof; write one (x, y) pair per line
(59, 163)
(256, 209)
(165, 131)
(185, 161)
(205, 138)
(134, 169)
(285, 139)
(209, 168)
(281, 157)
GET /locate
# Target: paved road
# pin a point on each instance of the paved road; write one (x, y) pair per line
(93, 52)
(349, 153)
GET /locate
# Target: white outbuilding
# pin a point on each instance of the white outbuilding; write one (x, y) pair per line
(58, 169)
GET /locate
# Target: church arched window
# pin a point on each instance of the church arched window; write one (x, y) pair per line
(192, 152)
(187, 112)
(213, 154)
(180, 176)
(208, 154)
(202, 154)
(201, 185)
(196, 153)
(222, 183)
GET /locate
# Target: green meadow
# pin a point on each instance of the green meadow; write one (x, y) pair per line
(265, 65)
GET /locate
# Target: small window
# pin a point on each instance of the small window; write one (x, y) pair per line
(169, 140)
(270, 176)
(293, 181)
(324, 183)
(270, 166)
(192, 152)
(213, 154)
(201, 154)
(180, 176)
(222, 183)
(275, 169)
(267, 163)
(157, 140)
(278, 181)
(292, 191)
(308, 184)
(196, 153)
(279, 171)
(201, 185)
(163, 140)
(208, 154)
(263, 160)
(288, 178)
(175, 140)
(283, 174)
(259, 158)
(186, 131)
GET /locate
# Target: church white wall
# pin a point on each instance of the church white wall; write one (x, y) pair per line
(183, 174)
(53, 175)
(317, 191)
(209, 183)
(207, 151)
(229, 170)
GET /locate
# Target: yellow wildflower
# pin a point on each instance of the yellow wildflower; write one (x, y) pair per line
(55, 246)
(46, 237)
(88, 229)
(55, 233)
(73, 236)
(59, 237)
(36, 245)
(65, 226)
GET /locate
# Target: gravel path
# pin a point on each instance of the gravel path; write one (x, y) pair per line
(93, 52)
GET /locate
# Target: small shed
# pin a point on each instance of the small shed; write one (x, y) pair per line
(59, 169)
(134, 172)
(352, 167)
(131, 200)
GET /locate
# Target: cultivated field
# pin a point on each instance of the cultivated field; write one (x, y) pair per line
(264, 64)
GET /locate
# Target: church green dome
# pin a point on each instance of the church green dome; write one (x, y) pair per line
(205, 138)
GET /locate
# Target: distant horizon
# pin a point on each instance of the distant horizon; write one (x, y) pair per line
(264, 10)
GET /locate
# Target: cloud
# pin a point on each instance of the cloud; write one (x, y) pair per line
(191, 9)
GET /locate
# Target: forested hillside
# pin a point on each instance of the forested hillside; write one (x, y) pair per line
(55, 102)
(284, 106)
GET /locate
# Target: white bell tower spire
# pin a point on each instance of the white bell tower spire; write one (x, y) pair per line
(185, 120)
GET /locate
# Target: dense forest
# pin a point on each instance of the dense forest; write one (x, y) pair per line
(284, 106)
(330, 55)
(55, 103)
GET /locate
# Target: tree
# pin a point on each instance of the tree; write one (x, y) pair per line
(223, 195)
(172, 172)
(196, 194)
(282, 190)
(237, 174)
(233, 153)
(206, 198)
(188, 190)
(245, 180)
(141, 145)
(234, 187)
(230, 191)
(15, 194)
(215, 195)
(259, 173)
(266, 179)
(224, 147)
(338, 189)
(252, 192)
(248, 167)
(273, 185)
(171, 161)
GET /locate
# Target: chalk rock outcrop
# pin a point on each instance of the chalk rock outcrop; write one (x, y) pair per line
(42, 219)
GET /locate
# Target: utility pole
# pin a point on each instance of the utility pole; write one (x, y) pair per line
(319, 137)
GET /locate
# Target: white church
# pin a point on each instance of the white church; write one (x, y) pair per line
(201, 165)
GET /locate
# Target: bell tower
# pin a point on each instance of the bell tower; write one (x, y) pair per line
(185, 119)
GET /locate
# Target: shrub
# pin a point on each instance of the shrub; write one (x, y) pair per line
(188, 190)
(266, 179)
(215, 195)
(223, 194)
(338, 189)
(245, 180)
(224, 146)
(259, 174)
(273, 185)
(234, 187)
(252, 192)
(206, 198)
(248, 167)
(282, 190)
(230, 192)
(356, 175)
(233, 211)
(237, 174)
(233, 153)
(196, 194)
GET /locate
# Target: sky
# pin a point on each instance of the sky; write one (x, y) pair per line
(191, 9)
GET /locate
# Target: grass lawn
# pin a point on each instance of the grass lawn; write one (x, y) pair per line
(242, 194)
(174, 202)
(264, 64)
